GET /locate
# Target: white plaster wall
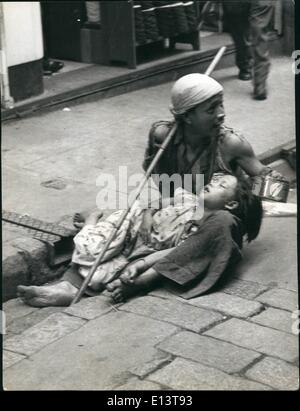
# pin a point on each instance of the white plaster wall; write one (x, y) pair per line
(23, 32)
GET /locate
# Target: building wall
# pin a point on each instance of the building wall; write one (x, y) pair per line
(23, 32)
(24, 48)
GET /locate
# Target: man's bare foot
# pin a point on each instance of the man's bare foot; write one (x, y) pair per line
(80, 218)
(59, 294)
(121, 290)
(132, 271)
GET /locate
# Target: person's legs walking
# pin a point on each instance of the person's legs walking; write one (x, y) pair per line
(260, 17)
(236, 18)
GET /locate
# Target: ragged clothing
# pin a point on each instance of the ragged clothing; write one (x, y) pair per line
(167, 232)
(213, 248)
(91, 239)
(168, 223)
(174, 161)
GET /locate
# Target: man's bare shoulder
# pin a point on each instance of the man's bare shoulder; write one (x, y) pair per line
(233, 143)
(159, 130)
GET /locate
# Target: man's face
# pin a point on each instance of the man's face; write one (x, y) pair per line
(219, 191)
(206, 118)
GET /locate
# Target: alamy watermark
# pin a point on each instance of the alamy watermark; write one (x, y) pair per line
(118, 192)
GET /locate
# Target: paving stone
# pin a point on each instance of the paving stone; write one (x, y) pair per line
(227, 304)
(36, 254)
(183, 315)
(15, 271)
(34, 247)
(56, 183)
(146, 368)
(97, 356)
(280, 298)
(182, 374)
(272, 259)
(9, 234)
(164, 293)
(67, 222)
(21, 324)
(90, 308)
(139, 385)
(16, 308)
(276, 373)
(11, 358)
(256, 337)
(209, 351)
(47, 331)
(274, 318)
(7, 335)
(244, 289)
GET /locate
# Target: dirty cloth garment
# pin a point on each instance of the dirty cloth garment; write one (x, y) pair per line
(174, 161)
(200, 261)
(89, 243)
(191, 90)
(167, 230)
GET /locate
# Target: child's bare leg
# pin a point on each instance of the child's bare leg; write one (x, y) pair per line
(93, 217)
(144, 283)
(140, 266)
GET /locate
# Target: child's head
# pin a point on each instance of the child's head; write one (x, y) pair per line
(225, 191)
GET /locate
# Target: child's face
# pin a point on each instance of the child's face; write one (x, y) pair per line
(219, 191)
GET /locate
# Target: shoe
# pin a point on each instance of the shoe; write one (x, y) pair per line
(245, 75)
(47, 72)
(260, 95)
(52, 66)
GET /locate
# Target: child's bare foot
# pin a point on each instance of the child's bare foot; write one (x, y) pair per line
(80, 218)
(59, 294)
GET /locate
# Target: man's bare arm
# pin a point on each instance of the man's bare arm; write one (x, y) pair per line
(240, 150)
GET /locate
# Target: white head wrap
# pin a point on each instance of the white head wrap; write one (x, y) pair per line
(191, 90)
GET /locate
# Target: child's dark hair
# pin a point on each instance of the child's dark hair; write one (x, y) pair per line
(249, 210)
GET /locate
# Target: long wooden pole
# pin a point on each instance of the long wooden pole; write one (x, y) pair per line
(140, 187)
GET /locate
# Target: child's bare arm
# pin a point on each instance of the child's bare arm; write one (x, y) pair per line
(140, 266)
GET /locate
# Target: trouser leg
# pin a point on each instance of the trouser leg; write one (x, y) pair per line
(260, 18)
(236, 16)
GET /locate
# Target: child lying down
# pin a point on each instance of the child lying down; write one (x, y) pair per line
(213, 240)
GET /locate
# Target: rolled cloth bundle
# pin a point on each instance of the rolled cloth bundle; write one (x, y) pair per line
(191, 90)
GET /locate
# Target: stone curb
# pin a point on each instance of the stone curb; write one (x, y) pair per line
(15, 271)
(25, 261)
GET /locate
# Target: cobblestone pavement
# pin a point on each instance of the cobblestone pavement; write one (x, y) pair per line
(239, 338)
